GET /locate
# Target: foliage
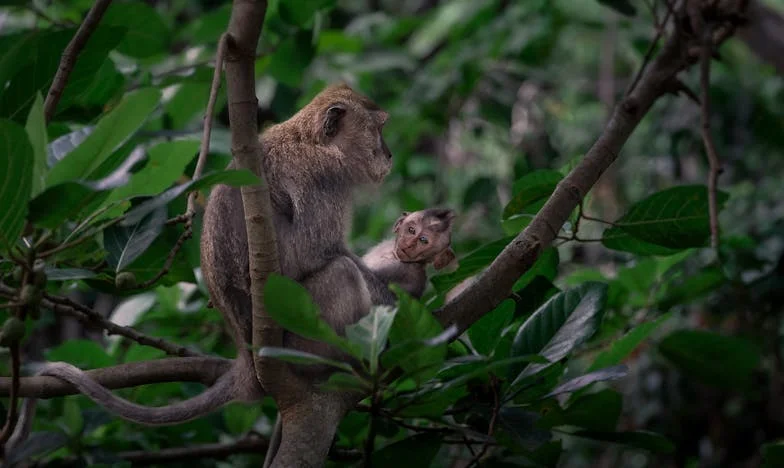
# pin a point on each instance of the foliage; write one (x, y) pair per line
(627, 330)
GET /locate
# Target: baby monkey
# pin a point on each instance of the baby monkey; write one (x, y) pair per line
(422, 237)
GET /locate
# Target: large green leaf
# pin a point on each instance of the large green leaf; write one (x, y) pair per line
(773, 454)
(601, 375)
(146, 33)
(235, 178)
(72, 199)
(302, 12)
(371, 333)
(290, 304)
(36, 132)
(722, 361)
(561, 324)
(34, 59)
(623, 346)
(16, 173)
(300, 357)
(531, 188)
(292, 57)
(126, 243)
(596, 411)
(415, 322)
(110, 132)
(676, 218)
(486, 332)
(616, 238)
(165, 164)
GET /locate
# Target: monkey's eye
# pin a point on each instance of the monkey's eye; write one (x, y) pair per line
(411, 230)
(423, 239)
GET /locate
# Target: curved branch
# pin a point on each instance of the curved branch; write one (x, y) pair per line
(495, 283)
(205, 370)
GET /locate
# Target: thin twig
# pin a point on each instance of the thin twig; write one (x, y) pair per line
(649, 53)
(205, 137)
(71, 53)
(90, 235)
(707, 138)
(83, 313)
(186, 234)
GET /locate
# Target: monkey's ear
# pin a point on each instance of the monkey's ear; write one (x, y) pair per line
(331, 119)
(399, 221)
(444, 216)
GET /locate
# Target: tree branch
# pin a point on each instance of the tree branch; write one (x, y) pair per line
(495, 283)
(205, 370)
(71, 53)
(249, 443)
(247, 18)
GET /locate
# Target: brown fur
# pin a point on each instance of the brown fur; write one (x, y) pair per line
(422, 237)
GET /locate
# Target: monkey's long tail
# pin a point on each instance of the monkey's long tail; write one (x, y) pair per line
(211, 399)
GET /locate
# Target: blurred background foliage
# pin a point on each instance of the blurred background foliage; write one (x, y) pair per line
(487, 99)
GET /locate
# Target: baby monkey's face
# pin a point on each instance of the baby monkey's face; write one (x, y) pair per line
(423, 235)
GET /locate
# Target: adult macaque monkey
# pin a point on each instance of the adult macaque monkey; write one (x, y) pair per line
(422, 237)
(312, 162)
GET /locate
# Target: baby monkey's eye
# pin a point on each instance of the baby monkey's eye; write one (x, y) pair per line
(411, 229)
(423, 240)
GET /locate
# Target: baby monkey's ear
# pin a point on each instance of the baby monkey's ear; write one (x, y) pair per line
(400, 221)
(444, 259)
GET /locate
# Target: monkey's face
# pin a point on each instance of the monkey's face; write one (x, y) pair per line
(423, 235)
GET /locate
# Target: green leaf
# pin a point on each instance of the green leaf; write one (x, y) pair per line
(546, 266)
(292, 57)
(16, 173)
(72, 199)
(300, 357)
(531, 188)
(693, 287)
(486, 332)
(596, 411)
(166, 163)
(146, 33)
(84, 354)
(470, 369)
(623, 7)
(650, 441)
(676, 218)
(290, 304)
(68, 274)
(561, 324)
(31, 64)
(616, 238)
(343, 381)
(234, 178)
(773, 454)
(301, 13)
(240, 417)
(394, 355)
(623, 346)
(470, 265)
(722, 361)
(110, 132)
(126, 243)
(370, 333)
(36, 132)
(417, 451)
(602, 375)
(414, 321)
